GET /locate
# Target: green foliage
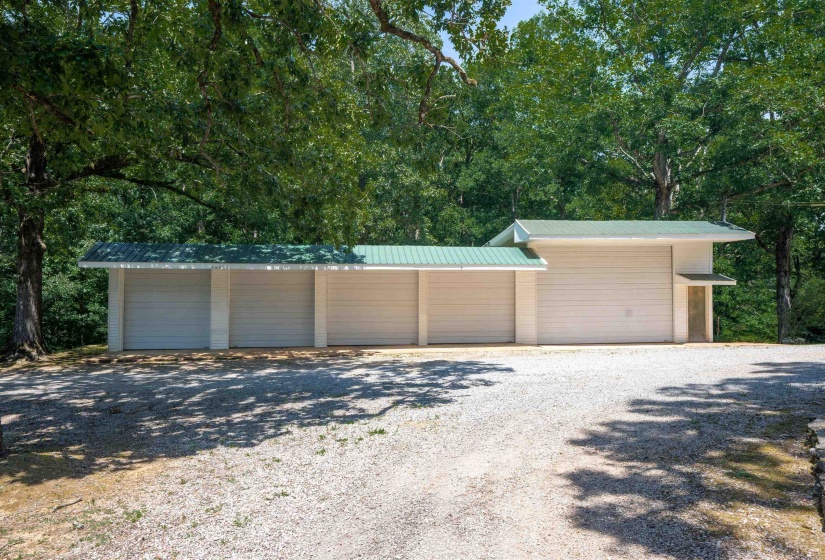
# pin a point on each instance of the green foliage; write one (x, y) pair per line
(809, 311)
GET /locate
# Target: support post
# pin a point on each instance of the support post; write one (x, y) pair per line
(526, 308)
(423, 307)
(709, 312)
(320, 308)
(117, 278)
(219, 310)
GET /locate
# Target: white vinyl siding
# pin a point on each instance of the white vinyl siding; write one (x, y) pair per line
(423, 307)
(365, 307)
(320, 308)
(680, 320)
(166, 309)
(605, 294)
(271, 308)
(471, 307)
(219, 310)
(526, 307)
(689, 257)
(693, 257)
(115, 322)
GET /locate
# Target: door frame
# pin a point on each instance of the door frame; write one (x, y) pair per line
(708, 312)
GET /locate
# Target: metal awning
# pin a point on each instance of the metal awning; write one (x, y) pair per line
(705, 280)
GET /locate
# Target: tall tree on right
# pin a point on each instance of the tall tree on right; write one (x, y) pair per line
(768, 162)
(669, 67)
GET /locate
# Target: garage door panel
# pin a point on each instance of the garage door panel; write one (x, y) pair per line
(166, 309)
(471, 307)
(271, 308)
(366, 307)
(605, 294)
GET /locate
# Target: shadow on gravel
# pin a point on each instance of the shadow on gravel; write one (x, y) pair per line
(114, 417)
(654, 481)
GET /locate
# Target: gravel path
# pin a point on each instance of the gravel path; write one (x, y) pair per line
(525, 454)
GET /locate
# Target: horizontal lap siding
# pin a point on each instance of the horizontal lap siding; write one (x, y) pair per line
(689, 257)
(693, 257)
(271, 308)
(471, 307)
(365, 307)
(165, 309)
(605, 295)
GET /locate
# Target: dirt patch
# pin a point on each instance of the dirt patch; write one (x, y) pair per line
(62, 501)
(759, 493)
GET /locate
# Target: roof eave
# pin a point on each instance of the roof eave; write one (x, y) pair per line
(716, 238)
(275, 266)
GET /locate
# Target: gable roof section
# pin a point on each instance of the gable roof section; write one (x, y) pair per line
(171, 255)
(529, 230)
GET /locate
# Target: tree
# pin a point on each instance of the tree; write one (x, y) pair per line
(768, 161)
(231, 105)
(668, 67)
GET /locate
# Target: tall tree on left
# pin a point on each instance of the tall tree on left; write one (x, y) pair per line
(223, 102)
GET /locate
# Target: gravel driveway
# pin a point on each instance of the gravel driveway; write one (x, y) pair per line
(595, 453)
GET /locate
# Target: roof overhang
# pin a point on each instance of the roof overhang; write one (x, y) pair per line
(704, 280)
(517, 233)
(669, 237)
(258, 266)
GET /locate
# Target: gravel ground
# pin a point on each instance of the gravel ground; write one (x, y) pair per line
(596, 453)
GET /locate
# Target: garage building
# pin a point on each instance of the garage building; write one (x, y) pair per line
(538, 282)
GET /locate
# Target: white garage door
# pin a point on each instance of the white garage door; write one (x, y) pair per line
(166, 309)
(366, 307)
(605, 294)
(271, 308)
(472, 307)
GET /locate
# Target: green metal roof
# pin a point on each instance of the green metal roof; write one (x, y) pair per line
(628, 227)
(375, 255)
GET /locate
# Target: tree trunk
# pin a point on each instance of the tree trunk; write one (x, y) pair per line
(783, 281)
(663, 184)
(662, 178)
(27, 333)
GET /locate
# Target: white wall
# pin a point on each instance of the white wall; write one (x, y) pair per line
(471, 306)
(321, 308)
(115, 320)
(372, 307)
(526, 302)
(219, 310)
(693, 257)
(423, 307)
(690, 257)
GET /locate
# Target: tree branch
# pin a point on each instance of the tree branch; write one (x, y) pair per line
(216, 11)
(786, 182)
(104, 165)
(33, 97)
(625, 149)
(720, 60)
(167, 186)
(388, 27)
(130, 32)
(422, 107)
